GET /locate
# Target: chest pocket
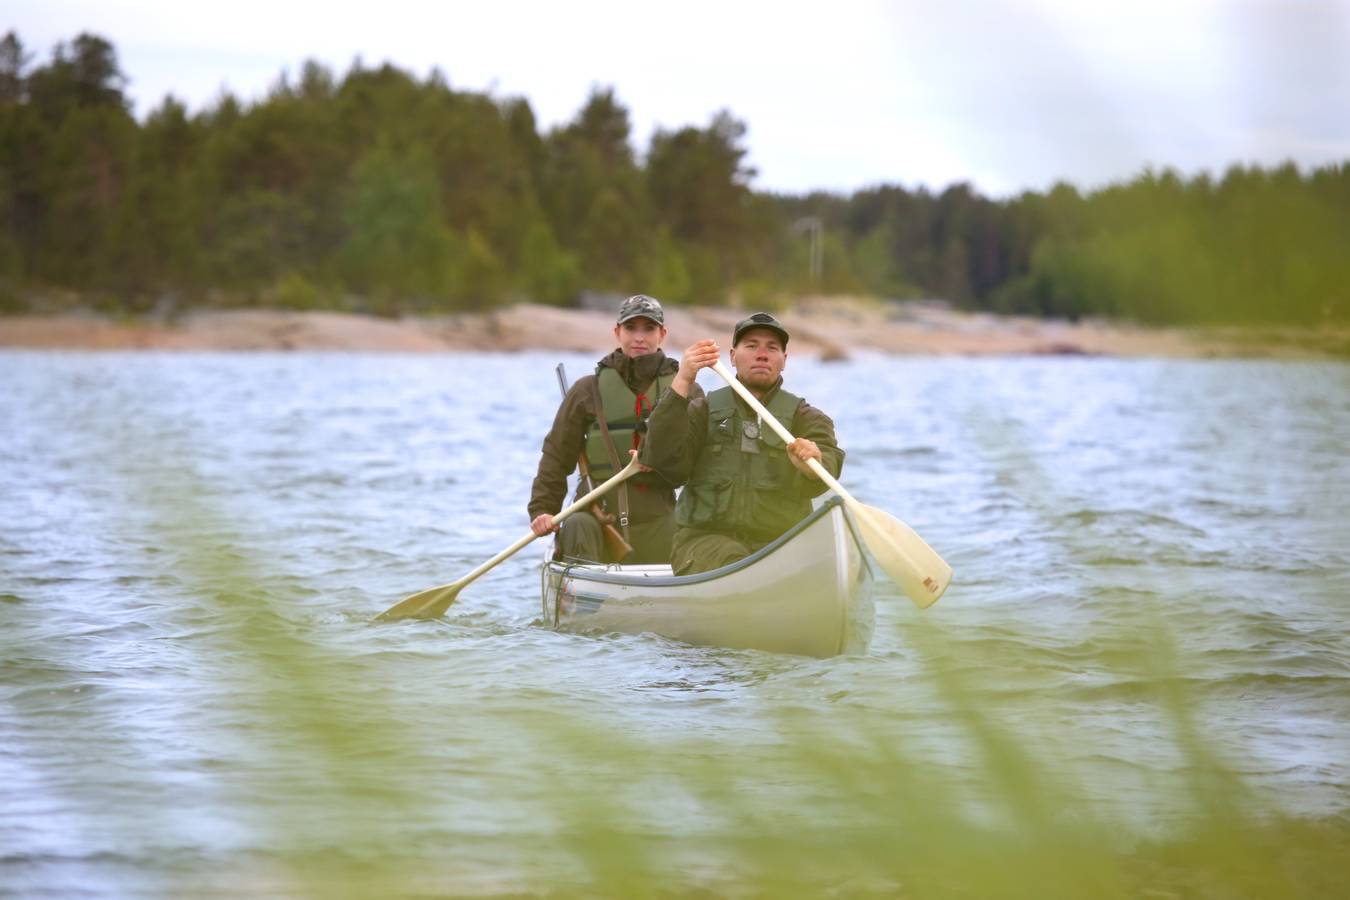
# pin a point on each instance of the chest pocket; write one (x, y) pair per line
(773, 503)
(709, 498)
(722, 433)
(743, 482)
(773, 451)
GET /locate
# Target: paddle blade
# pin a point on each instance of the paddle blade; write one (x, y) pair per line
(921, 574)
(426, 604)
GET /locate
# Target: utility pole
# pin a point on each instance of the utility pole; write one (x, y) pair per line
(813, 226)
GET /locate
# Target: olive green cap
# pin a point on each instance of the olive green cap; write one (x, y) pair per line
(759, 320)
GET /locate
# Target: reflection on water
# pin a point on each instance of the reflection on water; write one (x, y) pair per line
(1147, 628)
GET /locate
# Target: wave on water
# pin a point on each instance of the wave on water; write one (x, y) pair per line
(1141, 666)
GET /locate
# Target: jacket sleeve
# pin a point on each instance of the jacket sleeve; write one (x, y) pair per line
(675, 435)
(815, 426)
(562, 447)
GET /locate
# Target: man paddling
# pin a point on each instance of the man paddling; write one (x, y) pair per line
(626, 387)
(743, 487)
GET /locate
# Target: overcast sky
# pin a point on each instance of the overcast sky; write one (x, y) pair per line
(1006, 94)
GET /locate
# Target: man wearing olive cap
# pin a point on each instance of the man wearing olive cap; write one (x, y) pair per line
(743, 487)
(625, 387)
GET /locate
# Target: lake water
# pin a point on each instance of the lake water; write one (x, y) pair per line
(1147, 628)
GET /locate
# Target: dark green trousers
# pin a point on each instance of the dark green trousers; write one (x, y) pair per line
(581, 537)
(694, 551)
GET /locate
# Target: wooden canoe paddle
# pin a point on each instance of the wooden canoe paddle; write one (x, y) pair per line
(435, 601)
(915, 566)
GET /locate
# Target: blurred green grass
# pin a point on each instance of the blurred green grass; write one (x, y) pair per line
(351, 800)
(1016, 825)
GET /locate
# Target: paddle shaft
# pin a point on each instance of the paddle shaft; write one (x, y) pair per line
(590, 497)
(438, 599)
(916, 567)
(772, 421)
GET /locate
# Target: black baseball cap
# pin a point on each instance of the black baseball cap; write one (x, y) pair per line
(759, 320)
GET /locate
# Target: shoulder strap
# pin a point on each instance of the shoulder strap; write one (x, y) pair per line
(784, 406)
(622, 491)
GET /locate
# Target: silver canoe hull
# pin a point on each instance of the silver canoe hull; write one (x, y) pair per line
(808, 593)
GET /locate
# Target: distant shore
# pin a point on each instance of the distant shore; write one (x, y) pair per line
(832, 328)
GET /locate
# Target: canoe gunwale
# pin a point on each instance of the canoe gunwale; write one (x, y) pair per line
(613, 574)
(814, 601)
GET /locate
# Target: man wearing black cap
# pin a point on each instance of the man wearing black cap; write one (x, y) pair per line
(626, 386)
(743, 487)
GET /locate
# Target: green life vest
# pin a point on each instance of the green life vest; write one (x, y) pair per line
(743, 481)
(626, 416)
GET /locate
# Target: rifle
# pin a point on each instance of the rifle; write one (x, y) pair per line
(615, 544)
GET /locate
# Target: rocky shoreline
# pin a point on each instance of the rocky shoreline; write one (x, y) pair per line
(832, 328)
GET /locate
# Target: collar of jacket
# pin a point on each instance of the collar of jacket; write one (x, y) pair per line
(638, 372)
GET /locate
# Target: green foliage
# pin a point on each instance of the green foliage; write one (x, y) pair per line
(1262, 248)
(415, 196)
(700, 192)
(13, 61)
(480, 281)
(836, 273)
(83, 75)
(91, 157)
(877, 267)
(697, 182)
(548, 273)
(294, 291)
(670, 279)
(398, 245)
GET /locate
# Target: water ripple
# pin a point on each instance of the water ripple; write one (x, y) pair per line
(194, 547)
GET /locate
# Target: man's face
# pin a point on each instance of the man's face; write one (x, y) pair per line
(639, 337)
(759, 358)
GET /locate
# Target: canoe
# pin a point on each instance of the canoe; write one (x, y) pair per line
(808, 593)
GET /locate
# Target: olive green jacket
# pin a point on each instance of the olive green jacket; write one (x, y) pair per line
(677, 438)
(649, 495)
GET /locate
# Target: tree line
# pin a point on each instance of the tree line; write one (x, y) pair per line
(378, 191)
